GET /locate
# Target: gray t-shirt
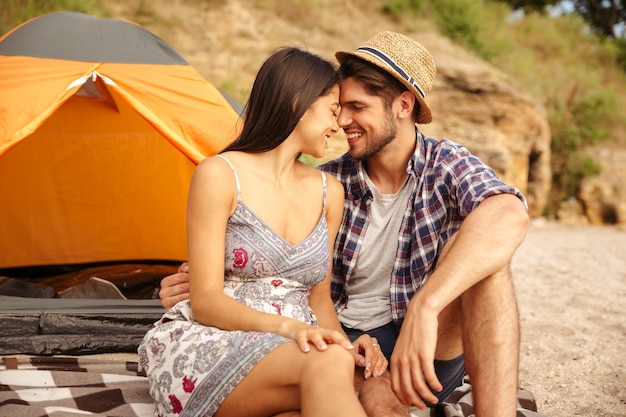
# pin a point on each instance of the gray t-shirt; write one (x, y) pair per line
(369, 304)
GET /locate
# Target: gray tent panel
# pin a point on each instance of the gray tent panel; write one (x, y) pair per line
(80, 37)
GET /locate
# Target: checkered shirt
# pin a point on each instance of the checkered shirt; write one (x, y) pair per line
(448, 183)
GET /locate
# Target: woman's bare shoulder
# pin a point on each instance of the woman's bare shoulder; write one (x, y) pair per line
(214, 174)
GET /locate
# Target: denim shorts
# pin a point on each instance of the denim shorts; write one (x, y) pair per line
(450, 372)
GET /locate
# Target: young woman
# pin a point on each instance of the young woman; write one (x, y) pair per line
(259, 335)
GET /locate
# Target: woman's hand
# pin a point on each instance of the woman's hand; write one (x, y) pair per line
(367, 354)
(306, 335)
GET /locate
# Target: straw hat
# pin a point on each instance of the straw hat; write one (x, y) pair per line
(404, 58)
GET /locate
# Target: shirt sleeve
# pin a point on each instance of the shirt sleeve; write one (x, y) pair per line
(470, 179)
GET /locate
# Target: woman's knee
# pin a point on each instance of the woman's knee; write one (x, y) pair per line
(334, 359)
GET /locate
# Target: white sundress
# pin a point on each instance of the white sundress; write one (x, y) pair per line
(191, 367)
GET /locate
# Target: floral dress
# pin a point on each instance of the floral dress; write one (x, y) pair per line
(191, 367)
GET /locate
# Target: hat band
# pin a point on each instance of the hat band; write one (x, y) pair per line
(392, 64)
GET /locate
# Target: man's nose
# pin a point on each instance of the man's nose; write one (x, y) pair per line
(344, 119)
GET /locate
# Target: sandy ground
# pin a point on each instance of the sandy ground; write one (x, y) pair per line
(571, 285)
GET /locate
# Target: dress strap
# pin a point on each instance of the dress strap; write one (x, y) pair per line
(237, 178)
(325, 188)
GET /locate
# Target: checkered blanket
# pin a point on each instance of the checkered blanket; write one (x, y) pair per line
(72, 386)
(461, 404)
(100, 386)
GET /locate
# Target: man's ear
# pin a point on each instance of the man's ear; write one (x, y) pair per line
(406, 101)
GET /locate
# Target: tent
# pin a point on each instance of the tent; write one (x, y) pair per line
(101, 126)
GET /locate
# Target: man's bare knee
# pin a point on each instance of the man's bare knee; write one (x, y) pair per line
(376, 385)
(378, 399)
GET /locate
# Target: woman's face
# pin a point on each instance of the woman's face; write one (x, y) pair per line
(319, 123)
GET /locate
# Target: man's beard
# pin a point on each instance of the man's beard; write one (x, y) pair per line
(376, 143)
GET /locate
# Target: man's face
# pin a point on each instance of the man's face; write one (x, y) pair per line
(368, 125)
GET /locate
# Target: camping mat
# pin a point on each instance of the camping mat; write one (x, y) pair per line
(58, 326)
(112, 385)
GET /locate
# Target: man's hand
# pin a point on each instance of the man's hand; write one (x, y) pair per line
(367, 354)
(412, 362)
(175, 287)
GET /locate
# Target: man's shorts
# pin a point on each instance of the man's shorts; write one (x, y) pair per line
(450, 373)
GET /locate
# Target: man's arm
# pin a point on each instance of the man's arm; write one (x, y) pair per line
(175, 287)
(483, 245)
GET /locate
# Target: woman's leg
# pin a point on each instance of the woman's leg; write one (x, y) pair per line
(287, 379)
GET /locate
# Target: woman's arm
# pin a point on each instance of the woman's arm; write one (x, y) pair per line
(212, 199)
(320, 300)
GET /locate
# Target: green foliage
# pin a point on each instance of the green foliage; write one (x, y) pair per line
(602, 17)
(530, 5)
(14, 12)
(576, 78)
(566, 182)
(399, 8)
(582, 122)
(620, 47)
(463, 21)
(458, 20)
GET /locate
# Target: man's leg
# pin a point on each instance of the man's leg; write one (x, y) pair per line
(491, 342)
(375, 393)
(483, 324)
(376, 396)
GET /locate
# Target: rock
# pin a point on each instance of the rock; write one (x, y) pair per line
(479, 107)
(604, 201)
(571, 213)
(604, 196)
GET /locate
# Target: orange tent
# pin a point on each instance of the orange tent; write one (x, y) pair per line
(101, 126)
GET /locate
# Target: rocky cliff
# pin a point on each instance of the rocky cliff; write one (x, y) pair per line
(473, 103)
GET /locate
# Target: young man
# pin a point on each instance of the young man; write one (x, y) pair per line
(422, 257)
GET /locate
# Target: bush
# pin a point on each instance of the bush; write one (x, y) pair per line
(457, 19)
(399, 8)
(582, 122)
(620, 46)
(14, 12)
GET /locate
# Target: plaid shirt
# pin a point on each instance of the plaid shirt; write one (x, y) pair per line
(448, 183)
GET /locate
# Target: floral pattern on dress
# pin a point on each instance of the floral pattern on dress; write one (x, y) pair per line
(241, 258)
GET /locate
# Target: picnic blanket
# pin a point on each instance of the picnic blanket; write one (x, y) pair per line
(461, 404)
(112, 386)
(73, 386)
